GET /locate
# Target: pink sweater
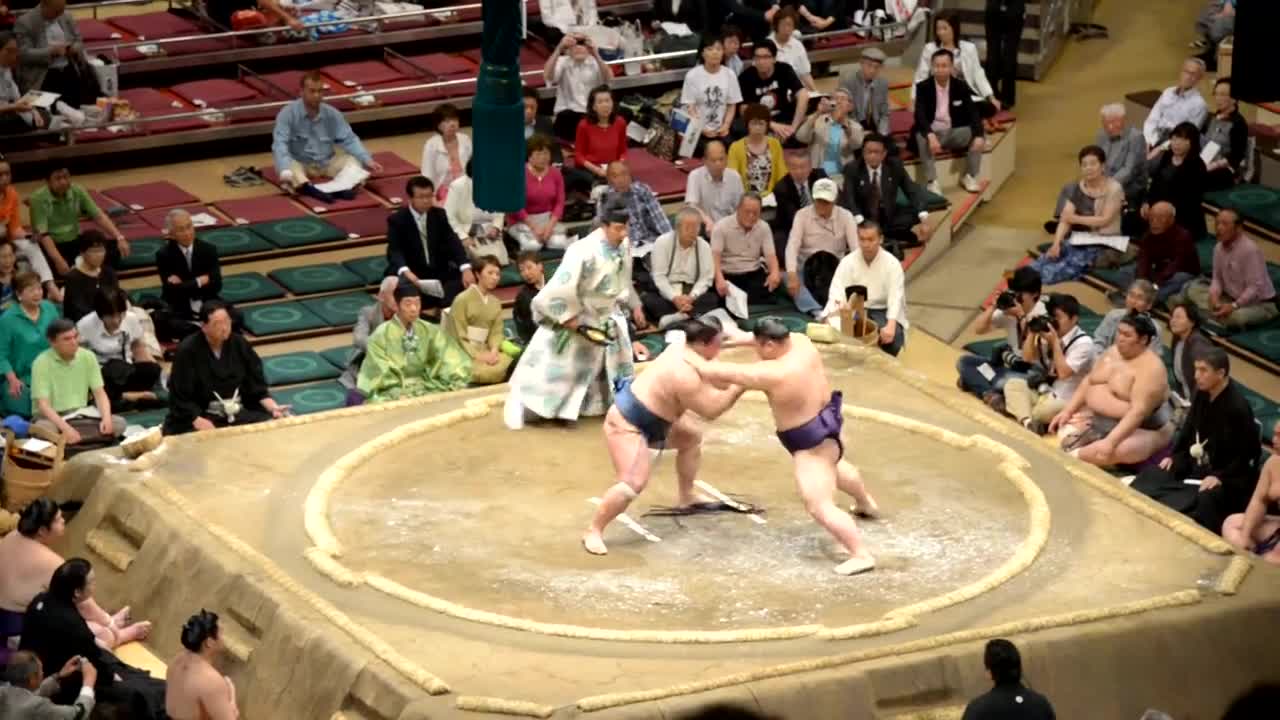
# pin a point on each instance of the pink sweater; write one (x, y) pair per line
(541, 196)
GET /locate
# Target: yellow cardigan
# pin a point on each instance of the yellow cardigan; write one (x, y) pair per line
(738, 161)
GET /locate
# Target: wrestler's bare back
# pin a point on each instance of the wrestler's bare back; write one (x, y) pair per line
(197, 691)
(26, 566)
(669, 386)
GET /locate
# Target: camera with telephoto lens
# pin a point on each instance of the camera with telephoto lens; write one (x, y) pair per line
(1039, 324)
(1006, 300)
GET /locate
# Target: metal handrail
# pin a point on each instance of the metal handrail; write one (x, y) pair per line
(241, 109)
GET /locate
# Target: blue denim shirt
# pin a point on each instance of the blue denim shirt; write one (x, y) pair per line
(310, 141)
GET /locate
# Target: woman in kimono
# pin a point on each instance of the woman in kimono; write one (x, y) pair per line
(408, 357)
(582, 345)
(475, 320)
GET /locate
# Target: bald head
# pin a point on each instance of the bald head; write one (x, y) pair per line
(1161, 217)
(715, 158)
(178, 226)
(619, 175)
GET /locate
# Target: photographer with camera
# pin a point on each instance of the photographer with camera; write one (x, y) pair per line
(1012, 310)
(1060, 354)
(574, 69)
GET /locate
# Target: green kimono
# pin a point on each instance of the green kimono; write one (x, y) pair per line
(401, 365)
(21, 341)
(475, 320)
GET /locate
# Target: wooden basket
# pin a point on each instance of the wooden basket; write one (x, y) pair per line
(29, 475)
(854, 323)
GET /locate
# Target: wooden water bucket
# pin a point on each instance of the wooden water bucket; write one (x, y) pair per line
(27, 474)
(854, 322)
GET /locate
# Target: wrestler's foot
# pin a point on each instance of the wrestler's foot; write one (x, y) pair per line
(860, 563)
(869, 510)
(594, 543)
(134, 633)
(121, 618)
(695, 499)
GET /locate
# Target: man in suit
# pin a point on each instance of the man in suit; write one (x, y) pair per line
(423, 249)
(793, 192)
(947, 119)
(190, 275)
(25, 691)
(52, 57)
(871, 187)
(1004, 21)
(870, 92)
(535, 124)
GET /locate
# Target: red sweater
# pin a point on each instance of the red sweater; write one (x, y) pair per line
(598, 145)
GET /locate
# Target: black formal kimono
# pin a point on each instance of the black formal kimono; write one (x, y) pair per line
(197, 374)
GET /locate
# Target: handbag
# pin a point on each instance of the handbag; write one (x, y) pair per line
(663, 141)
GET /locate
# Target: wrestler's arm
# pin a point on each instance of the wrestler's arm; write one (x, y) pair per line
(1257, 508)
(1149, 390)
(761, 375)
(710, 403)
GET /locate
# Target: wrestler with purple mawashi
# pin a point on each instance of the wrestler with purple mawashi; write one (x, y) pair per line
(791, 374)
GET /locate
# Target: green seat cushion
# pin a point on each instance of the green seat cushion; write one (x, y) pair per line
(140, 295)
(932, 201)
(338, 356)
(147, 418)
(311, 279)
(248, 287)
(142, 253)
(369, 269)
(1263, 341)
(281, 317)
(297, 367)
(339, 310)
(1115, 277)
(1204, 249)
(299, 231)
(983, 347)
(1266, 412)
(655, 343)
(231, 241)
(1089, 320)
(1257, 203)
(313, 398)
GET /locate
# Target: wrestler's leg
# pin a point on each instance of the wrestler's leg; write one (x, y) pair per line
(685, 438)
(849, 480)
(1233, 531)
(1140, 445)
(816, 478)
(630, 455)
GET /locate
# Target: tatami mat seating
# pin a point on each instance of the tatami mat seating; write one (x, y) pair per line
(339, 310)
(236, 288)
(266, 208)
(339, 356)
(162, 194)
(279, 318)
(370, 269)
(298, 367)
(313, 398)
(298, 231)
(1258, 204)
(312, 279)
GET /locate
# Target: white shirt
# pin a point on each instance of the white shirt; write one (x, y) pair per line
(574, 80)
(717, 199)
(885, 282)
(53, 35)
(673, 264)
(1009, 323)
(461, 209)
(1172, 108)
(1079, 357)
(968, 65)
(709, 95)
(420, 222)
(792, 52)
(108, 346)
(435, 157)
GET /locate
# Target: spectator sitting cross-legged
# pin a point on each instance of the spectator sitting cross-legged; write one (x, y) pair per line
(713, 190)
(56, 212)
(28, 562)
(534, 276)
(475, 320)
(408, 357)
(1139, 298)
(573, 69)
(1189, 342)
(63, 378)
(967, 64)
(793, 193)
(538, 225)
(1063, 353)
(1228, 129)
(1009, 698)
(1011, 312)
(1120, 414)
(1094, 207)
(1126, 154)
(832, 134)
(479, 230)
(423, 249)
(646, 220)
(446, 154)
(52, 58)
(823, 227)
(22, 339)
(190, 276)
(194, 687)
(216, 379)
(775, 86)
(1179, 178)
(1257, 529)
(683, 270)
(1216, 445)
(757, 158)
(947, 119)
(711, 92)
(1180, 103)
(872, 185)
(1167, 254)
(871, 267)
(312, 138)
(1241, 293)
(601, 138)
(118, 341)
(87, 277)
(25, 692)
(29, 254)
(744, 254)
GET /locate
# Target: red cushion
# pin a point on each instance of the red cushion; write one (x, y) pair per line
(96, 31)
(1264, 130)
(162, 194)
(156, 217)
(390, 189)
(157, 25)
(363, 199)
(104, 203)
(444, 65)
(195, 46)
(95, 135)
(130, 225)
(660, 175)
(900, 121)
(367, 223)
(150, 101)
(404, 97)
(285, 81)
(393, 165)
(215, 93)
(363, 73)
(247, 211)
